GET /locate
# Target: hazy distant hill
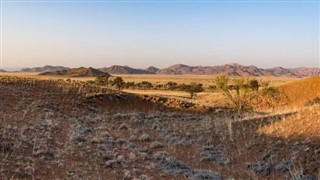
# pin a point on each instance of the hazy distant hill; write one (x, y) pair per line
(152, 69)
(306, 72)
(123, 70)
(227, 69)
(1, 70)
(280, 72)
(46, 68)
(77, 72)
(179, 69)
(240, 70)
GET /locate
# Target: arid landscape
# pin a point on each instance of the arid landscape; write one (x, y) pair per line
(67, 127)
(159, 90)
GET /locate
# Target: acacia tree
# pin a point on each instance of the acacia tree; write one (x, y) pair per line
(118, 83)
(145, 85)
(240, 94)
(193, 88)
(102, 80)
(254, 85)
(128, 85)
(171, 85)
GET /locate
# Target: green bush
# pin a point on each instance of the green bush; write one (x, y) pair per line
(238, 94)
(118, 83)
(270, 91)
(254, 84)
(128, 85)
(171, 86)
(193, 88)
(145, 85)
(102, 80)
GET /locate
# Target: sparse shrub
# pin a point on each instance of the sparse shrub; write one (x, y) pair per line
(313, 101)
(112, 163)
(171, 165)
(118, 83)
(160, 155)
(212, 88)
(90, 82)
(262, 168)
(183, 87)
(244, 95)
(124, 126)
(239, 94)
(144, 156)
(156, 144)
(145, 177)
(193, 88)
(254, 84)
(24, 171)
(264, 84)
(126, 175)
(213, 153)
(297, 173)
(204, 174)
(171, 85)
(145, 85)
(144, 137)
(102, 80)
(133, 138)
(159, 86)
(132, 156)
(128, 85)
(270, 91)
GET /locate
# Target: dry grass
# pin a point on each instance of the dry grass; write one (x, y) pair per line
(155, 78)
(301, 91)
(160, 92)
(36, 76)
(306, 123)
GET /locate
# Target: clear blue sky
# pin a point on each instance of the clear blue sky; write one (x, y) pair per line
(143, 33)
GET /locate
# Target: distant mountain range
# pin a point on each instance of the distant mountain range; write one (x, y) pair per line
(77, 72)
(180, 69)
(46, 68)
(123, 70)
(152, 69)
(231, 70)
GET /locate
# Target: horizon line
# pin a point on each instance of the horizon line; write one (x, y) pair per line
(96, 67)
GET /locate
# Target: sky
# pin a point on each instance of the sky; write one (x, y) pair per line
(159, 33)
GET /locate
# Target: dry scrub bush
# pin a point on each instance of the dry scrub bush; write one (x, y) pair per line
(239, 94)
